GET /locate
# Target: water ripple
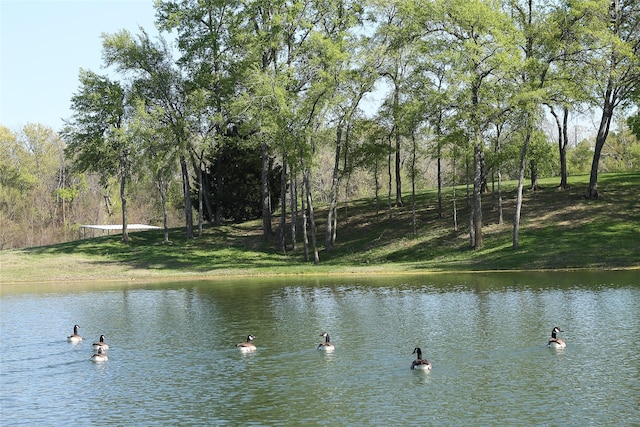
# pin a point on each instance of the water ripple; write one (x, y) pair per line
(173, 358)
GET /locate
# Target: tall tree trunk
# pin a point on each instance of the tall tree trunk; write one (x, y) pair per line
(219, 189)
(601, 137)
(467, 181)
(390, 180)
(186, 188)
(333, 191)
(377, 189)
(206, 192)
(472, 236)
(516, 218)
(439, 183)
(200, 199)
(123, 199)
(312, 222)
(396, 137)
(162, 189)
(305, 216)
(497, 150)
(293, 199)
(477, 193)
(345, 169)
(500, 216)
(283, 205)
(563, 144)
(266, 196)
(455, 208)
(413, 183)
(563, 141)
(398, 171)
(196, 162)
(533, 166)
(439, 162)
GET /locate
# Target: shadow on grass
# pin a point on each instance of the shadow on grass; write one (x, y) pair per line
(559, 229)
(219, 248)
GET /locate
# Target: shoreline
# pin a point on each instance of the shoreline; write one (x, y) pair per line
(144, 278)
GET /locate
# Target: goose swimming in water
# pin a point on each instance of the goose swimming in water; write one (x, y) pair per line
(326, 345)
(420, 363)
(99, 356)
(75, 338)
(554, 341)
(101, 344)
(247, 346)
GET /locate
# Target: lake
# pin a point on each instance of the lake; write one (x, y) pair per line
(173, 360)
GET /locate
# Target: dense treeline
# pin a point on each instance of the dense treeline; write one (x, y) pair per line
(469, 89)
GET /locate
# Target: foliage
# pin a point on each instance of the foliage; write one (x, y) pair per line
(562, 231)
(239, 168)
(579, 157)
(94, 137)
(460, 83)
(38, 192)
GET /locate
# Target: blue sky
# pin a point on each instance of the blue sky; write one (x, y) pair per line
(43, 45)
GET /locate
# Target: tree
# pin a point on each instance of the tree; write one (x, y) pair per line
(480, 47)
(346, 75)
(539, 35)
(241, 200)
(634, 120)
(160, 154)
(615, 64)
(161, 86)
(96, 134)
(210, 41)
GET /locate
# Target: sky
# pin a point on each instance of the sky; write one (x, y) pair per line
(45, 43)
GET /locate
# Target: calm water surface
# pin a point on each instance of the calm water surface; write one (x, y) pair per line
(173, 359)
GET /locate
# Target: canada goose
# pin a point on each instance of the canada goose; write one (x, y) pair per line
(247, 346)
(554, 341)
(101, 344)
(420, 363)
(99, 356)
(75, 338)
(326, 345)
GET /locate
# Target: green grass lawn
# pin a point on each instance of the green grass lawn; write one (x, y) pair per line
(559, 230)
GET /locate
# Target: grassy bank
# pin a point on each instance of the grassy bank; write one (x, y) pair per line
(559, 230)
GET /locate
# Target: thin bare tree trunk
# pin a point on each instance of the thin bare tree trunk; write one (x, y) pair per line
(516, 219)
(500, 218)
(123, 199)
(413, 184)
(333, 192)
(477, 196)
(377, 190)
(266, 195)
(186, 188)
(283, 205)
(601, 137)
(562, 143)
(219, 189)
(312, 222)
(390, 180)
(200, 199)
(293, 199)
(455, 208)
(305, 218)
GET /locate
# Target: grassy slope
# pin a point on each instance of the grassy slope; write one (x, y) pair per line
(559, 230)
